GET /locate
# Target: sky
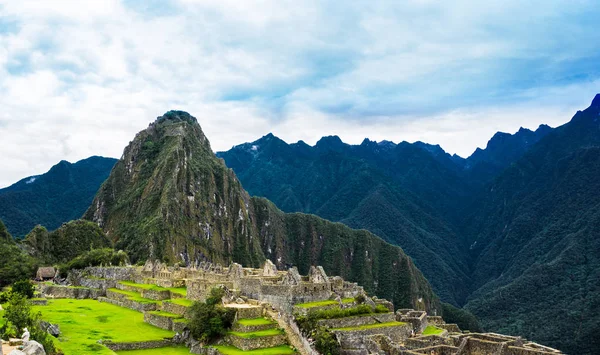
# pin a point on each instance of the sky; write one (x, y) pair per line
(80, 78)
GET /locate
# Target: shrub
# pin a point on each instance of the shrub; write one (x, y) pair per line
(210, 320)
(360, 299)
(325, 342)
(24, 288)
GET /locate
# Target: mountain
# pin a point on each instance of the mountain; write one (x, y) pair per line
(62, 194)
(509, 232)
(502, 150)
(169, 197)
(15, 264)
(534, 241)
(397, 191)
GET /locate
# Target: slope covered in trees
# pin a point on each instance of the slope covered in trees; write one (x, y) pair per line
(60, 195)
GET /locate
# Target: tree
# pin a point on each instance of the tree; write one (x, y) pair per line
(24, 288)
(209, 319)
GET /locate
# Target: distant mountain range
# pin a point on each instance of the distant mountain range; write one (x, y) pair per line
(509, 233)
(60, 195)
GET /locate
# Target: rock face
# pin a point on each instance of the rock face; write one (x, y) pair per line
(170, 198)
(33, 348)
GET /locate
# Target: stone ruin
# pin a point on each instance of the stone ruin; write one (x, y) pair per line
(272, 289)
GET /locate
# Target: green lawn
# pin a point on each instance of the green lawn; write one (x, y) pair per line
(432, 330)
(179, 350)
(84, 322)
(280, 350)
(255, 321)
(261, 333)
(372, 326)
(323, 303)
(178, 290)
(181, 301)
(166, 314)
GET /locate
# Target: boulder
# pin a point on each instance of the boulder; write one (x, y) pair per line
(52, 329)
(16, 352)
(33, 348)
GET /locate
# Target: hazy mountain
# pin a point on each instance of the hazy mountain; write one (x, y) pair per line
(60, 195)
(170, 197)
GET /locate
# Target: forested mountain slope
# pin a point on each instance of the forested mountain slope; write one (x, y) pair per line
(60, 195)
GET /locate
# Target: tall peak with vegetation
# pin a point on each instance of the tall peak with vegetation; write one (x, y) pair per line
(169, 197)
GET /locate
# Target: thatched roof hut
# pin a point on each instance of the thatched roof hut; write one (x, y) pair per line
(45, 273)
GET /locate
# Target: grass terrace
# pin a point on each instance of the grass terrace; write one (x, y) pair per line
(174, 350)
(323, 303)
(166, 314)
(84, 322)
(256, 321)
(372, 326)
(261, 333)
(181, 301)
(231, 350)
(178, 290)
(134, 296)
(432, 330)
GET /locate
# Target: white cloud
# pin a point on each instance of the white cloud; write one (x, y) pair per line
(79, 78)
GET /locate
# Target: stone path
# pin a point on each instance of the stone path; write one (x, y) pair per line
(6, 349)
(295, 341)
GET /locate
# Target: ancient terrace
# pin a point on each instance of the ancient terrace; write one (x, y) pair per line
(267, 302)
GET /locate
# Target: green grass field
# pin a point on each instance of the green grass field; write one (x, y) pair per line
(166, 314)
(231, 350)
(84, 322)
(255, 321)
(181, 301)
(261, 333)
(372, 326)
(323, 303)
(179, 350)
(432, 330)
(134, 296)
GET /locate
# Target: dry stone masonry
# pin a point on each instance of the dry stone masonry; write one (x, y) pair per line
(164, 293)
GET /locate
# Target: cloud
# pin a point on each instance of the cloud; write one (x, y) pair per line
(81, 78)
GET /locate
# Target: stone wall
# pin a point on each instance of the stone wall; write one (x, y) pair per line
(142, 345)
(354, 338)
(256, 342)
(114, 273)
(158, 321)
(174, 308)
(357, 320)
(55, 291)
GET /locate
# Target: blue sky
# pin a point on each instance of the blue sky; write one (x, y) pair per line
(80, 78)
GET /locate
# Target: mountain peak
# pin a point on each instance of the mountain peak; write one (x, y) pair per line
(596, 101)
(177, 116)
(329, 142)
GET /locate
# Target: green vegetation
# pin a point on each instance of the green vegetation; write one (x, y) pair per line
(181, 301)
(17, 316)
(67, 242)
(325, 342)
(463, 318)
(166, 314)
(432, 330)
(231, 350)
(209, 320)
(372, 326)
(95, 257)
(309, 321)
(172, 350)
(24, 287)
(260, 333)
(256, 321)
(60, 195)
(15, 265)
(84, 322)
(178, 290)
(323, 303)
